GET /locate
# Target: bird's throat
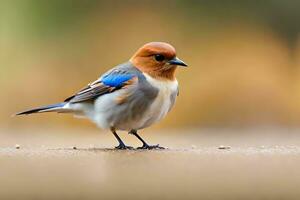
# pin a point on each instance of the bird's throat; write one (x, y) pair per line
(163, 74)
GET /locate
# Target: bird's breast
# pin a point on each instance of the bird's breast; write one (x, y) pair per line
(164, 99)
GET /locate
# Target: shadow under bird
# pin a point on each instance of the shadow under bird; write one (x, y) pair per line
(129, 97)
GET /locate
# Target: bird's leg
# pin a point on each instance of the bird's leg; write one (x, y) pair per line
(145, 145)
(121, 143)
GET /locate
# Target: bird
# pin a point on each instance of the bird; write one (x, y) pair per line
(129, 97)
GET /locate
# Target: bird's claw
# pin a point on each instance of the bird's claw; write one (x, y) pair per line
(149, 147)
(123, 147)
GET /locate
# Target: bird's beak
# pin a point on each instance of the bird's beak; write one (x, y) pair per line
(177, 61)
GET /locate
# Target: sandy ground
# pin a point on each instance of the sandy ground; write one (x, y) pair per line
(260, 164)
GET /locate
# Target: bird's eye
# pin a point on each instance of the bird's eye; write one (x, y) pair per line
(159, 57)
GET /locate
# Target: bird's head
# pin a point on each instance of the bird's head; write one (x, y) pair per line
(157, 59)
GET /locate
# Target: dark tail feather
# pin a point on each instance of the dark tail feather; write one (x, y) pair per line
(50, 108)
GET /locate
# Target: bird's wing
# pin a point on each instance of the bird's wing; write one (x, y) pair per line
(111, 81)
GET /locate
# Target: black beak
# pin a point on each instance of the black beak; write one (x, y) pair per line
(177, 61)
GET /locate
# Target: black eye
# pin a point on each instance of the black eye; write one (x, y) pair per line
(159, 57)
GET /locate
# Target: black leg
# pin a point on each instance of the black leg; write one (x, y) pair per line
(145, 145)
(121, 143)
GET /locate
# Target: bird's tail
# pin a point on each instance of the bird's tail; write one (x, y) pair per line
(50, 108)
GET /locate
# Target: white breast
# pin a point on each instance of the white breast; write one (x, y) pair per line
(162, 103)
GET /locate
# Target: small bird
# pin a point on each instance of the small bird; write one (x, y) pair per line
(129, 97)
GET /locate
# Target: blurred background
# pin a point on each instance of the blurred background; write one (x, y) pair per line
(233, 133)
(244, 57)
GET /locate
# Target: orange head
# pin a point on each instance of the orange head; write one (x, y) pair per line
(157, 59)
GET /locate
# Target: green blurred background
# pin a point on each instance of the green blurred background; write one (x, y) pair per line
(244, 57)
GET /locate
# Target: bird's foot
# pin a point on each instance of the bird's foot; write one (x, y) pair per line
(123, 147)
(149, 147)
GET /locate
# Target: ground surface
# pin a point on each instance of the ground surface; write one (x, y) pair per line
(260, 164)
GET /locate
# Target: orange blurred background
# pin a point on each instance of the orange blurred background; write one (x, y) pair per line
(243, 57)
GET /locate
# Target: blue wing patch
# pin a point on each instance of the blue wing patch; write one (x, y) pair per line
(115, 79)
